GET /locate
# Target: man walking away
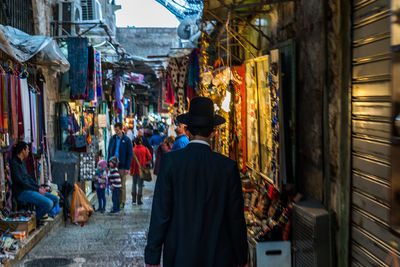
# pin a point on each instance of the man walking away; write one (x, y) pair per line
(181, 140)
(197, 215)
(120, 146)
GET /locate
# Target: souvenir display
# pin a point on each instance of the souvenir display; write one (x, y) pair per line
(87, 166)
(264, 114)
(253, 152)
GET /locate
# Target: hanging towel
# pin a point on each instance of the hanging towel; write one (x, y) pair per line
(78, 59)
(26, 111)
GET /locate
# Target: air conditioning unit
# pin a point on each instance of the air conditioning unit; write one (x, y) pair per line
(69, 14)
(91, 10)
(311, 234)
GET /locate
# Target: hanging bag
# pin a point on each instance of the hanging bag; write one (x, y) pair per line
(144, 172)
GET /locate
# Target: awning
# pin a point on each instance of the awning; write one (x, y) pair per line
(22, 47)
(182, 8)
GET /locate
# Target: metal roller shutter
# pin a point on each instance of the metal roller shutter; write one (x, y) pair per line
(371, 133)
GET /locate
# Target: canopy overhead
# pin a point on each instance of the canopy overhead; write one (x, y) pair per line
(23, 47)
(183, 8)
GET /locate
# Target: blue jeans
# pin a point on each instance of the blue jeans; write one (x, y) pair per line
(139, 182)
(43, 204)
(101, 197)
(115, 198)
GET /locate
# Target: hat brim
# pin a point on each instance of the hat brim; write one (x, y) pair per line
(200, 121)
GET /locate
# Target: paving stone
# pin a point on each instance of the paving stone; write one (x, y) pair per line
(105, 240)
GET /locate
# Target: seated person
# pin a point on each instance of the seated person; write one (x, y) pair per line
(24, 187)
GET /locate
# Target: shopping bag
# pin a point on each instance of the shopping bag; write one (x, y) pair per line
(145, 174)
(81, 208)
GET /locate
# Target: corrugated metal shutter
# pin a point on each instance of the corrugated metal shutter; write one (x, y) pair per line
(371, 133)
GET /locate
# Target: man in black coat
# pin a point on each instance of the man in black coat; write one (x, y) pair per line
(197, 215)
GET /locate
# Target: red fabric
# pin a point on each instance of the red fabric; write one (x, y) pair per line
(190, 92)
(143, 156)
(14, 108)
(170, 95)
(240, 71)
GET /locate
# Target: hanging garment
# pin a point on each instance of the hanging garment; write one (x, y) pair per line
(20, 115)
(32, 100)
(99, 84)
(170, 94)
(2, 180)
(2, 88)
(78, 59)
(194, 70)
(13, 97)
(40, 121)
(178, 70)
(91, 78)
(118, 95)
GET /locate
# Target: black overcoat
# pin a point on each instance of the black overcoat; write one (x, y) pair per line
(197, 215)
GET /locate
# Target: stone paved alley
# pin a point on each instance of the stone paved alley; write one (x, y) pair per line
(106, 240)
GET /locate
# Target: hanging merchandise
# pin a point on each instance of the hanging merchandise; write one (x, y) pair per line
(119, 92)
(78, 59)
(275, 88)
(177, 69)
(91, 79)
(26, 111)
(87, 166)
(170, 94)
(193, 74)
(99, 86)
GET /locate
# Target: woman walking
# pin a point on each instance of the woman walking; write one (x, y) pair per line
(142, 154)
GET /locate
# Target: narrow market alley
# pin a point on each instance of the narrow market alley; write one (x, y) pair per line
(106, 240)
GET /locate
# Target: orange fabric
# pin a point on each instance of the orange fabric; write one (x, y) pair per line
(143, 155)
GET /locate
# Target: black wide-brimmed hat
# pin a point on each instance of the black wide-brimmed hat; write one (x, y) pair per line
(201, 113)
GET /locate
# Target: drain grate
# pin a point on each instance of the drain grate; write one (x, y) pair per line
(48, 262)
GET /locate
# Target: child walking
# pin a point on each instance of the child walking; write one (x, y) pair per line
(115, 180)
(100, 184)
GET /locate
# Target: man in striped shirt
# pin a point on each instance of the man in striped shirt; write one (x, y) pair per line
(115, 180)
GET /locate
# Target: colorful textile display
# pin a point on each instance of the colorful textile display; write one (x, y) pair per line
(78, 59)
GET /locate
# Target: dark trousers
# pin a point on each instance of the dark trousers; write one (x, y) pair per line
(101, 197)
(115, 198)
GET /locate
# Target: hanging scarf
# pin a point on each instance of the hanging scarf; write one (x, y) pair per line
(99, 85)
(33, 120)
(170, 95)
(13, 96)
(91, 82)
(78, 59)
(2, 85)
(118, 95)
(20, 115)
(26, 111)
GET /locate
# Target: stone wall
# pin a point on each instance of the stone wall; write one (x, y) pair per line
(322, 34)
(144, 42)
(42, 13)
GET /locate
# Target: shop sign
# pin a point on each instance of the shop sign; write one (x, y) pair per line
(102, 119)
